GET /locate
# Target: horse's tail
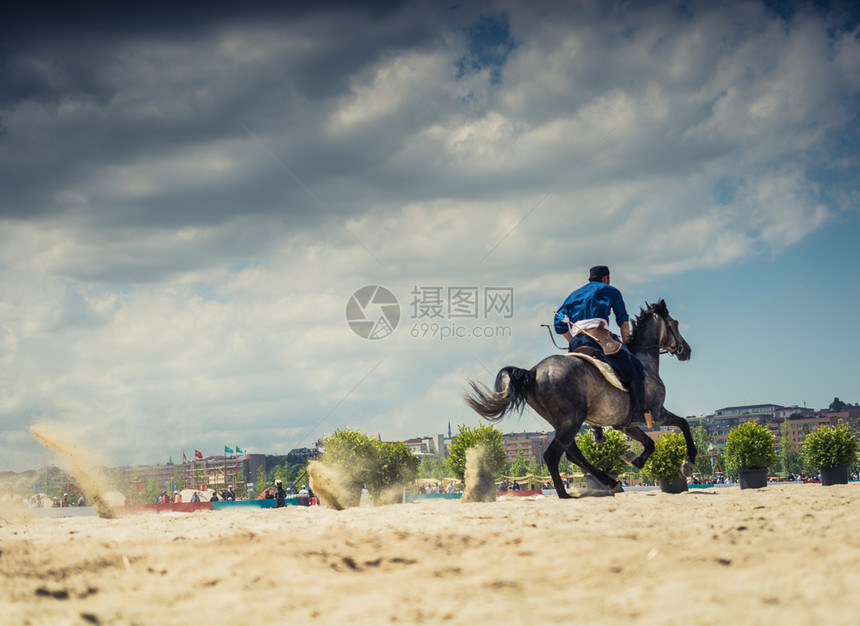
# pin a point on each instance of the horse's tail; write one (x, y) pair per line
(512, 385)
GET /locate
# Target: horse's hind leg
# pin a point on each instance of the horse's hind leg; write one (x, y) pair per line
(551, 457)
(647, 443)
(568, 441)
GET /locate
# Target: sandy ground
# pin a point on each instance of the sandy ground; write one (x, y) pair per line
(786, 554)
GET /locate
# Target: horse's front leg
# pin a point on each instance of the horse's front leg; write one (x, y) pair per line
(551, 457)
(667, 417)
(647, 443)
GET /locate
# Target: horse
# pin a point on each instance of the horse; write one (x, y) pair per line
(568, 391)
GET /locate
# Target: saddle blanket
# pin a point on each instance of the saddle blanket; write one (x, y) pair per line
(603, 367)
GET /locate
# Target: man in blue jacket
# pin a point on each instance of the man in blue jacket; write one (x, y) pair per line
(583, 319)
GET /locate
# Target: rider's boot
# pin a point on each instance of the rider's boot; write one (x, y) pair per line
(641, 414)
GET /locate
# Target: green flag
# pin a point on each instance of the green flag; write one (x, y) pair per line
(239, 450)
(227, 450)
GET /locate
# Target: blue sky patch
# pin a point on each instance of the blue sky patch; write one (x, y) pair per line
(490, 44)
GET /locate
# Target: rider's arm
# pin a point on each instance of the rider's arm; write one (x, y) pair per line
(625, 332)
(561, 325)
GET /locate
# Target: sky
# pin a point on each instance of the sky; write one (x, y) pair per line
(189, 201)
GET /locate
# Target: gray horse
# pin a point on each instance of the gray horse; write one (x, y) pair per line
(568, 391)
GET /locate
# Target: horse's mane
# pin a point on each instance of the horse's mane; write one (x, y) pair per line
(655, 308)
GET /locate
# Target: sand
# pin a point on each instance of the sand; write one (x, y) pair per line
(786, 554)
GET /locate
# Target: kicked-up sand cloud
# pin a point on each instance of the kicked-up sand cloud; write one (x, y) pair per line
(78, 462)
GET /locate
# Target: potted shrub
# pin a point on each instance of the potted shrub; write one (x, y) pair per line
(665, 462)
(832, 449)
(750, 451)
(606, 456)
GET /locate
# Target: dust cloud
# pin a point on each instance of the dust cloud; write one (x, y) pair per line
(89, 478)
(480, 485)
(334, 487)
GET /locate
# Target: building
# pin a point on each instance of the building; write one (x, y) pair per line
(801, 425)
(723, 420)
(214, 472)
(421, 446)
(300, 456)
(531, 445)
(791, 411)
(849, 414)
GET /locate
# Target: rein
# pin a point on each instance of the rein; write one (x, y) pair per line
(552, 337)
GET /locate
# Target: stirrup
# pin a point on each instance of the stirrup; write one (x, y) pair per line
(646, 416)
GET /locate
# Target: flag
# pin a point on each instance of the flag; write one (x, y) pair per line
(239, 450)
(227, 450)
(198, 454)
(184, 460)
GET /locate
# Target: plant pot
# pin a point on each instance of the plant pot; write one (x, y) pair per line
(674, 485)
(834, 475)
(753, 478)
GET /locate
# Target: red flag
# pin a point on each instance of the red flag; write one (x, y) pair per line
(198, 454)
(183, 457)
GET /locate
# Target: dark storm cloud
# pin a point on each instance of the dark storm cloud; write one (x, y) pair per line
(82, 88)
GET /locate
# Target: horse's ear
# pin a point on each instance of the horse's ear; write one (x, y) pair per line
(660, 307)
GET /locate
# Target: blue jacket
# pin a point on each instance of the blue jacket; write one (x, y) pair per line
(592, 300)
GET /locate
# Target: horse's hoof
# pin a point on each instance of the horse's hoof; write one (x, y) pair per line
(617, 489)
(566, 496)
(687, 469)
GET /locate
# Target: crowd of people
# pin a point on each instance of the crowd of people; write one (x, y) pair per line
(40, 500)
(227, 495)
(449, 488)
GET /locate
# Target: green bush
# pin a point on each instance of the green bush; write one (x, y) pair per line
(750, 446)
(830, 446)
(396, 467)
(606, 456)
(665, 462)
(368, 461)
(487, 435)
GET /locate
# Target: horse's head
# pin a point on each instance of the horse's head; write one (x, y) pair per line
(663, 330)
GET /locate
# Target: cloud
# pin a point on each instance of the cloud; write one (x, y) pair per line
(187, 206)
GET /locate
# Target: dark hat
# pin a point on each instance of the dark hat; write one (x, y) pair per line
(597, 271)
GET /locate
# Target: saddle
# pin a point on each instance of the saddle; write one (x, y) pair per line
(594, 357)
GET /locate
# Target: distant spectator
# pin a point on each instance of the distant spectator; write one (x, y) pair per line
(195, 497)
(176, 497)
(280, 495)
(228, 495)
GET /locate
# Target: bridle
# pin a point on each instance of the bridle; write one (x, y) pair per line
(677, 347)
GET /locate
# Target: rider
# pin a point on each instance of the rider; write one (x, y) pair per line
(587, 310)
